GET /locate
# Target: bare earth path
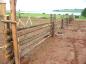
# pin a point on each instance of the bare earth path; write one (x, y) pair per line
(58, 51)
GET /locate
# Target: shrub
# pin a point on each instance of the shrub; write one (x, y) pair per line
(83, 13)
(76, 16)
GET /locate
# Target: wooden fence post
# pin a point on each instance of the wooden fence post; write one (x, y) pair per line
(9, 49)
(62, 23)
(52, 20)
(2, 10)
(14, 31)
(51, 24)
(54, 23)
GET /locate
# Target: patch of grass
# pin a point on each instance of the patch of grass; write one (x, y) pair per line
(34, 15)
(81, 18)
(38, 15)
(43, 15)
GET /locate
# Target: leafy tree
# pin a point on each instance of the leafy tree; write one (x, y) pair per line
(84, 12)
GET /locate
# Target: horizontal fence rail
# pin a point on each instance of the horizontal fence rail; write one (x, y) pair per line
(29, 37)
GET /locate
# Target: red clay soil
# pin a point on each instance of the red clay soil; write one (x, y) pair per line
(58, 51)
(67, 48)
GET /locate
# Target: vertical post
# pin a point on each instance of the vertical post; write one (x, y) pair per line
(52, 24)
(54, 21)
(54, 18)
(14, 34)
(2, 10)
(19, 14)
(9, 49)
(62, 23)
(2, 17)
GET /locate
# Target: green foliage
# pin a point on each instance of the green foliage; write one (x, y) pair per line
(83, 13)
(76, 16)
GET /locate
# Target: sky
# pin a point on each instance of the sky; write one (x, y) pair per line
(36, 5)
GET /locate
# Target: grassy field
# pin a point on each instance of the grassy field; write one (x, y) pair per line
(82, 18)
(34, 15)
(42, 15)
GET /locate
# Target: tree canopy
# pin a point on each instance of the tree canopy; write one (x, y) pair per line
(84, 12)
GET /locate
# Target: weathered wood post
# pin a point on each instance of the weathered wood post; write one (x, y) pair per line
(9, 51)
(51, 24)
(2, 10)
(2, 17)
(52, 20)
(62, 23)
(54, 23)
(14, 31)
(66, 20)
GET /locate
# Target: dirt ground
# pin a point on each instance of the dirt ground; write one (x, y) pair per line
(66, 48)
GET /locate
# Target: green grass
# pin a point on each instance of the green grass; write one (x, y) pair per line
(82, 18)
(34, 15)
(41, 15)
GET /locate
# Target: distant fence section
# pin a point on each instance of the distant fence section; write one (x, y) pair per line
(63, 23)
(30, 21)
